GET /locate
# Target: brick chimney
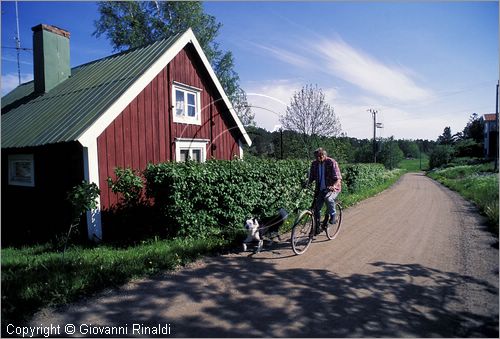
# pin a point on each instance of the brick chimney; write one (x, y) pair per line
(50, 57)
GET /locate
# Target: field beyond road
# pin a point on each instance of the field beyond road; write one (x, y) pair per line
(414, 261)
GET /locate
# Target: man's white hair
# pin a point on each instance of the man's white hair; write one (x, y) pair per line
(320, 151)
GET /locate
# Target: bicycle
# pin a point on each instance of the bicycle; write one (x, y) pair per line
(304, 227)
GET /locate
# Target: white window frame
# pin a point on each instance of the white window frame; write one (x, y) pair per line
(184, 118)
(14, 159)
(182, 144)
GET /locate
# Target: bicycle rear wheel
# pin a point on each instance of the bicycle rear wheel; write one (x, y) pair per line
(332, 230)
(302, 232)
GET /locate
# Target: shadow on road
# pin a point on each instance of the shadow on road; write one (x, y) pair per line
(242, 297)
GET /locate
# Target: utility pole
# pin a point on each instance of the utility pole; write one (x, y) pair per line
(375, 126)
(374, 115)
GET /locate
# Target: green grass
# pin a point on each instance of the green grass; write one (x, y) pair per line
(39, 276)
(477, 183)
(415, 165)
(35, 277)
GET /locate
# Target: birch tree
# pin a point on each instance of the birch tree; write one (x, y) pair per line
(309, 114)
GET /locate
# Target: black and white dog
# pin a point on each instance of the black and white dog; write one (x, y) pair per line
(257, 229)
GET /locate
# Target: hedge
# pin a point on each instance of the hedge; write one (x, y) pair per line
(200, 200)
(216, 196)
(359, 177)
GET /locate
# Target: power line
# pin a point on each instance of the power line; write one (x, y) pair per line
(22, 49)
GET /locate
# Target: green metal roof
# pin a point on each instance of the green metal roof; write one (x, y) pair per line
(66, 111)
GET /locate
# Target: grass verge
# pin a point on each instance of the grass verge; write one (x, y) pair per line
(38, 276)
(477, 183)
(415, 165)
(389, 178)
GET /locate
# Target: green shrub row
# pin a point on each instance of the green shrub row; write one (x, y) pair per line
(201, 200)
(359, 177)
(214, 197)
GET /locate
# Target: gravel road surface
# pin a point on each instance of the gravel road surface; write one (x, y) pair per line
(414, 261)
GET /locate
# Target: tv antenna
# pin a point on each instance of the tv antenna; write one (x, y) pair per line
(18, 45)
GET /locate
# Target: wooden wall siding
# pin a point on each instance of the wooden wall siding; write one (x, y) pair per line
(141, 133)
(186, 68)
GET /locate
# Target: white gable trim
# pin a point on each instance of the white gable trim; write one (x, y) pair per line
(91, 134)
(240, 144)
(132, 92)
(220, 89)
(91, 174)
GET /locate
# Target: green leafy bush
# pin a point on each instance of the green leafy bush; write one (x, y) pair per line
(200, 200)
(442, 155)
(132, 219)
(214, 197)
(358, 177)
(391, 155)
(83, 197)
(469, 148)
(129, 184)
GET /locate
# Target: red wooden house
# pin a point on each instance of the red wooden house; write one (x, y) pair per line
(160, 102)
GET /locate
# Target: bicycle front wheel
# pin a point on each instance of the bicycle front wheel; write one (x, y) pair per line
(302, 232)
(332, 230)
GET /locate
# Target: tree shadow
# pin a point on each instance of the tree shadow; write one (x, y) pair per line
(238, 296)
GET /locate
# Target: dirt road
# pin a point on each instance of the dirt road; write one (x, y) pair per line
(413, 261)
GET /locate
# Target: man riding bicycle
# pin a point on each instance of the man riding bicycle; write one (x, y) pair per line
(326, 172)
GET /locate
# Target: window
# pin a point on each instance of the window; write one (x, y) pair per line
(21, 170)
(189, 149)
(186, 104)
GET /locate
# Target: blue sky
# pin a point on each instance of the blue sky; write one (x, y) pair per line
(422, 65)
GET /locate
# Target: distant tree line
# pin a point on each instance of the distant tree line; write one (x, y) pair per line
(465, 144)
(286, 144)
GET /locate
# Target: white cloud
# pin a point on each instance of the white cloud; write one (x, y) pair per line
(364, 71)
(286, 56)
(339, 59)
(400, 122)
(11, 81)
(269, 100)
(392, 89)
